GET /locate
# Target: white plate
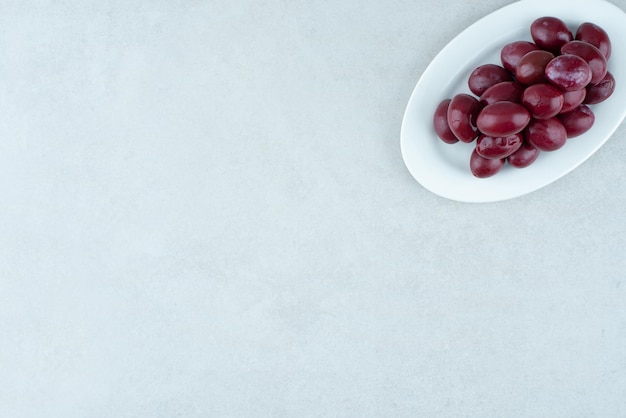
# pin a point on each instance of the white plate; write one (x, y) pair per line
(443, 168)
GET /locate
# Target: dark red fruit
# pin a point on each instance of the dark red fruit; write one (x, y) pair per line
(502, 119)
(531, 67)
(462, 114)
(601, 91)
(546, 135)
(483, 167)
(524, 156)
(512, 52)
(543, 100)
(596, 36)
(591, 54)
(578, 121)
(507, 91)
(440, 123)
(568, 72)
(550, 33)
(571, 99)
(497, 148)
(486, 76)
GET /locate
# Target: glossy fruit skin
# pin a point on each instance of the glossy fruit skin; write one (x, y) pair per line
(601, 91)
(524, 156)
(546, 135)
(498, 148)
(486, 76)
(440, 123)
(571, 99)
(568, 72)
(578, 121)
(544, 101)
(596, 36)
(591, 54)
(462, 115)
(531, 67)
(506, 91)
(550, 33)
(512, 52)
(483, 167)
(503, 119)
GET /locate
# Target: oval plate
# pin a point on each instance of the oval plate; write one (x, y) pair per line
(443, 168)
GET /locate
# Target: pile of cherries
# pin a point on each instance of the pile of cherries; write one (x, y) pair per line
(537, 99)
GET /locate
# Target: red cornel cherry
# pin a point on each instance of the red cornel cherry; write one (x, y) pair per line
(486, 76)
(531, 68)
(512, 52)
(503, 119)
(507, 91)
(440, 122)
(524, 156)
(501, 147)
(591, 54)
(462, 114)
(578, 121)
(569, 72)
(571, 99)
(550, 33)
(546, 135)
(482, 167)
(543, 100)
(596, 36)
(601, 91)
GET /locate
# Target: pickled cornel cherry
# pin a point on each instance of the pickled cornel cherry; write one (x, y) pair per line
(596, 36)
(502, 147)
(568, 72)
(507, 91)
(591, 54)
(578, 121)
(542, 100)
(462, 115)
(512, 52)
(486, 76)
(524, 156)
(550, 33)
(531, 67)
(502, 119)
(546, 135)
(601, 91)
(482, 167)
(440, 122)
(571, 99)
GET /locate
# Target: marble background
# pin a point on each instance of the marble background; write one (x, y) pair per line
(205, 213)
